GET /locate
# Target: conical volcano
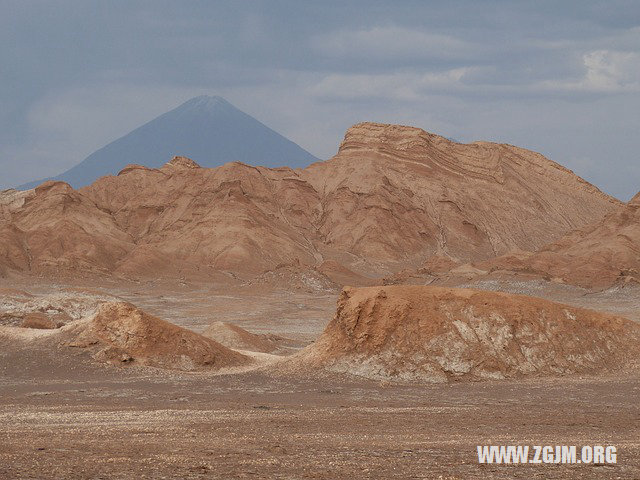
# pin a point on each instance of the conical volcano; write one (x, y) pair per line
(207, 129)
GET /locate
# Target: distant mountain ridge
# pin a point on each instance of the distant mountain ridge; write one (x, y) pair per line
(206, 128)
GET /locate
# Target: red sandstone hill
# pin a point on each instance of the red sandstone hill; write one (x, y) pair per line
(431, 334)
(390, 199)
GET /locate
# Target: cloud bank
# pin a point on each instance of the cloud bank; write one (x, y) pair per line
(559, 78)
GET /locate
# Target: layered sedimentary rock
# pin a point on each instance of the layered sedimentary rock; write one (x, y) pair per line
(599, 255)
(392, 198)
(431, 334)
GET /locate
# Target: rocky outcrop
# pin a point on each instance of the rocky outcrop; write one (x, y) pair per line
(430, 334)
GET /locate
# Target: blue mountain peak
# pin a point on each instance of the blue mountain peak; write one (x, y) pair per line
(208, 129)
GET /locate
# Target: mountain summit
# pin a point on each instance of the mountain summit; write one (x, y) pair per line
(208, 129)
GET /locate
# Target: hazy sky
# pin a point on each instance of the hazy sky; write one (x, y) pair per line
(561, 78)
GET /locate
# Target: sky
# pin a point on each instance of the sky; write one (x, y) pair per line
(560, 78)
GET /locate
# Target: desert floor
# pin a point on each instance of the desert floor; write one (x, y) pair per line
(64, 416)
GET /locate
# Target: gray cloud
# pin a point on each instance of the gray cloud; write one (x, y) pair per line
(557, 77)
(393, 44)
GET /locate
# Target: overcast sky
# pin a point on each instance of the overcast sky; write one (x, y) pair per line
(561, 78)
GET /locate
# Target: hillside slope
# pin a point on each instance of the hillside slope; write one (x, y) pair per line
(392, 198)
(596, 256)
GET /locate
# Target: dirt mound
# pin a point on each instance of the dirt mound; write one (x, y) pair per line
(341, 275)
(121, 333)
(238, 338)
(437, 334)
(391, 198)
(596, 256)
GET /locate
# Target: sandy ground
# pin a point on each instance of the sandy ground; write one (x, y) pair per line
(63, 416)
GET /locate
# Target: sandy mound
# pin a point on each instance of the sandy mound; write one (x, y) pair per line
(122, 333)
(238, 338)
(437, 334)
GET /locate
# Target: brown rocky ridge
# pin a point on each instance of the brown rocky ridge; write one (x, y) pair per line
(432, 334)
(596, 256)
(391, 198)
